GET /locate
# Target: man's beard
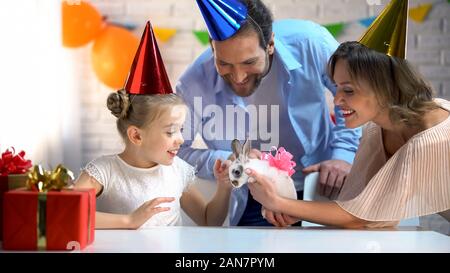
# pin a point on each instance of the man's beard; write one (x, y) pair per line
(248, 93)
(258, 81)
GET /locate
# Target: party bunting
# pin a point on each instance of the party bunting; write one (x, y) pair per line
(80, 17)
(335, 29)
(202, 36)
(128, 26)
(368, 21)
(164, 34)
(420, 13)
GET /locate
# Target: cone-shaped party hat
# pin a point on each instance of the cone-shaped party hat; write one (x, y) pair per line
(387, 34)
(223, 17)
(148, 75)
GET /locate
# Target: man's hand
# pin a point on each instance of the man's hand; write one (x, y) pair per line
(254, 153)
(332, 176)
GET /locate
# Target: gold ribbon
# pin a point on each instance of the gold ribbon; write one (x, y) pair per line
(44, 181)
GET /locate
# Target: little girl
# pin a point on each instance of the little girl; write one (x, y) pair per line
(147, 184)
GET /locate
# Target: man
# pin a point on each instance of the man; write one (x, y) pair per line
(254, 65)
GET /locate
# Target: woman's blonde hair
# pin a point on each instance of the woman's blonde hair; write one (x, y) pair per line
(397, 85)
(139, 110)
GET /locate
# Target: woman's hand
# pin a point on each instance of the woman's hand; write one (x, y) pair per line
(263, 190)
(138, 217)
(279, 219)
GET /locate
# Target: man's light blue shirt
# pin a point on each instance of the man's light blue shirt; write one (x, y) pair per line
(302, 50)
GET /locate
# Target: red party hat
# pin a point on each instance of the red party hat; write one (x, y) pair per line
(148, 75)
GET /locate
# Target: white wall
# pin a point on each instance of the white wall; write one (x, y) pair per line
(39, 95)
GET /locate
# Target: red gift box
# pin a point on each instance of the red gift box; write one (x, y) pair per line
(64, 219)
(13, 169)
(9, 182)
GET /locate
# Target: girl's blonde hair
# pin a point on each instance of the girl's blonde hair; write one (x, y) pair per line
(397, 85)
(139, 110)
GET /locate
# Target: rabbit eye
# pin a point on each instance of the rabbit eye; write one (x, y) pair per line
(238, 171)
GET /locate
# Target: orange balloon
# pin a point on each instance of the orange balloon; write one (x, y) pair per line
(112, 55)
(81, 23)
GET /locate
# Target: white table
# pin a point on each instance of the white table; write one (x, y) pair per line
(267, 240)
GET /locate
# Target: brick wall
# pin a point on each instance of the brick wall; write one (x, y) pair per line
(428, 48)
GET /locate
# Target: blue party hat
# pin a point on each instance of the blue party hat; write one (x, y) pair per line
(223, 17)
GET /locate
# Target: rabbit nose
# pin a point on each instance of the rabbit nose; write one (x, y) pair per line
(238, 171)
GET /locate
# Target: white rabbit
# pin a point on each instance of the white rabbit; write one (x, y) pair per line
(283, 182)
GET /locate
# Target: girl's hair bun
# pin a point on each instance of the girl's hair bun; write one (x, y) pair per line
(118, 103)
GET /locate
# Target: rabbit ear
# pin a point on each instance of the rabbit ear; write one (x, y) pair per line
(246, 147)
(236, 147)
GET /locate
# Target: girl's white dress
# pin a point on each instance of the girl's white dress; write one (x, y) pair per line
(125, 188)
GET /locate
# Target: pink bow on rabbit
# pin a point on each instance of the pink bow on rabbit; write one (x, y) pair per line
(282, 160)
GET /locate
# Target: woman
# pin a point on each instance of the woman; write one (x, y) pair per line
(401, 169)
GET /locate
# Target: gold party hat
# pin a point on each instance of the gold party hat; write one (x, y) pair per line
(387, 34)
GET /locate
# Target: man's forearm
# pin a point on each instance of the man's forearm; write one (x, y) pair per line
(203, 160)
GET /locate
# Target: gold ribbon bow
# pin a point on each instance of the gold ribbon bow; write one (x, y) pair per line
(44, 181)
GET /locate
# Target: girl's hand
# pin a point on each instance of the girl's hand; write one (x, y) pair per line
(138, 217)
(263, 189)
(221, 174)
